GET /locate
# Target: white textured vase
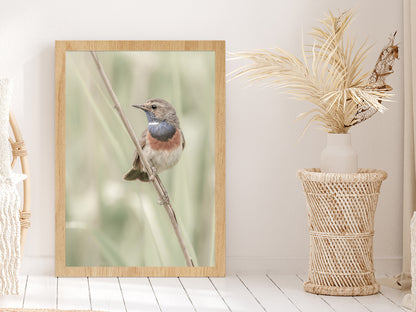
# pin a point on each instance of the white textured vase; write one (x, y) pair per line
(339, 156)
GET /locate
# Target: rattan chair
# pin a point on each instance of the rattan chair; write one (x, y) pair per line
(19, 152)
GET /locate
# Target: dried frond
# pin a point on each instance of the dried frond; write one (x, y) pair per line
(384, 64)
(377, 79)
(330, 75)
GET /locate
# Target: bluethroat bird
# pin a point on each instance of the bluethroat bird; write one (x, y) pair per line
(162, 142)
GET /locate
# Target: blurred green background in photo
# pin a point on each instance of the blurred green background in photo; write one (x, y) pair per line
(112, 222)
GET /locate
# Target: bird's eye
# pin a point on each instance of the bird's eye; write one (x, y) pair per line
(154, 106)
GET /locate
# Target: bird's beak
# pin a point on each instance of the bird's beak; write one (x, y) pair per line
(142, 107)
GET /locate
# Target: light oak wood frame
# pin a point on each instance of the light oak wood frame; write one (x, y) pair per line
(219, 48)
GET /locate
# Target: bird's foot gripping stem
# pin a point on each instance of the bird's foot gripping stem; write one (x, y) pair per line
(153, 174)
(164, 200)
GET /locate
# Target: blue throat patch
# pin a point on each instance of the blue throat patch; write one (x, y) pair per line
(160, 130)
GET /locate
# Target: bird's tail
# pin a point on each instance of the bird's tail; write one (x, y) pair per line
(135, 174)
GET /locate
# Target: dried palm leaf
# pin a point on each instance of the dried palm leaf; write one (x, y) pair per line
(330, 75)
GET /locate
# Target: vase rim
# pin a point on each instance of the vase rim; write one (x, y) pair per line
(338, 139)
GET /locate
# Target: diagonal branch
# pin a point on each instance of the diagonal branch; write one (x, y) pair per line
(157, 183)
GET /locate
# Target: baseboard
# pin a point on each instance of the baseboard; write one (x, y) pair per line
(297, 265)
(37, 265)
(264, 264)
(390, 266)
(46, 265)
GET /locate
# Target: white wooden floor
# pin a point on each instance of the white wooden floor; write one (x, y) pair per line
(240, 292)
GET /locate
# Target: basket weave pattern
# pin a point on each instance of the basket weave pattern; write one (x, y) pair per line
(341, 209)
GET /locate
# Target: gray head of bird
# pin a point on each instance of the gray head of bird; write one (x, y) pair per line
(159, 110)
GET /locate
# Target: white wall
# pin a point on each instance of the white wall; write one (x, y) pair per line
(266, 215)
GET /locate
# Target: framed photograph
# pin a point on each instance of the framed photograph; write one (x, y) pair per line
(140, 158)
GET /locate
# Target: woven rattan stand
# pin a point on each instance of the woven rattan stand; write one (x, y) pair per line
(341, 210)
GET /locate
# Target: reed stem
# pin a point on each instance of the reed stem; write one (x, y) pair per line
(157, 182)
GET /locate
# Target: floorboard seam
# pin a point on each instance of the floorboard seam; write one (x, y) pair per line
(24, 294)
(301, 279)
(291, 301)
(362, 304)
(186, 292)
(258, 301)
(400, 307)
(154, 294)
(122, 295)
(219, 294)
(56, 301)
(89, 292)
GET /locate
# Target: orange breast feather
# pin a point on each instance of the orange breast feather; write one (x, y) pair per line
(170, 144)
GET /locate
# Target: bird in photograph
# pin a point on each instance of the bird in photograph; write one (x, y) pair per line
(162, 142)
